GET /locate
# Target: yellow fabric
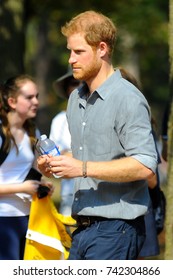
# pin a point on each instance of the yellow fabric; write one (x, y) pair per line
(47, 237)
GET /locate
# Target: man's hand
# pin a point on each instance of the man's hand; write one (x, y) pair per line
(43, 165)
(64, 166)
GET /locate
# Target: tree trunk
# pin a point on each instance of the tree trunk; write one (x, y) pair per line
(12, 38)
(169, 191)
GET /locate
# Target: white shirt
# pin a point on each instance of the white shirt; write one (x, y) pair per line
(59, 132)
(14, 170)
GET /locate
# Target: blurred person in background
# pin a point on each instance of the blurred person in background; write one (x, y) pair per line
(151, 244)
(60, 134)
(19, 105)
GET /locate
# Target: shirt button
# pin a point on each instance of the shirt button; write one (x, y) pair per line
(84, 123)
(80, 148)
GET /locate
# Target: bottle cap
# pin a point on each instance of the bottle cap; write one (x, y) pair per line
(43, 137)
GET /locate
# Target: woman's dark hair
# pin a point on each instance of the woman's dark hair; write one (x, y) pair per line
(11, 88)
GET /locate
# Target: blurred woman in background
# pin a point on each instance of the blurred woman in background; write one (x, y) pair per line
(19, 105)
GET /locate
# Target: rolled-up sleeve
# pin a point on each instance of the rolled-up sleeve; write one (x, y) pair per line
(135, 132)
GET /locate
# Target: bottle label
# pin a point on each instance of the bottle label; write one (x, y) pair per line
(53, 152)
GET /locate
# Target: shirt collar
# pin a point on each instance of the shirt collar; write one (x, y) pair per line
(108, 84)
(103, 89)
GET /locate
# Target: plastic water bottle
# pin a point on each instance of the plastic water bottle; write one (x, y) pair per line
(47, 146)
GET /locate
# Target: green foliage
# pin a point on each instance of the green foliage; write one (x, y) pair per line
(142, 44)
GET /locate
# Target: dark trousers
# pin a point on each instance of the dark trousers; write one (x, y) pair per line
(12, 237)
(108, 240)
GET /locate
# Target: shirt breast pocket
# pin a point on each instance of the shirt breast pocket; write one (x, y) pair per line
(99, 138)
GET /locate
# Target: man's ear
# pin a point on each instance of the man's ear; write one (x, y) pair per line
(103, 48)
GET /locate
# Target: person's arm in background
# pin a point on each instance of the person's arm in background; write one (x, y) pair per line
(152, 182)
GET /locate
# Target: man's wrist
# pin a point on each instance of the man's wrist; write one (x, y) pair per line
(84, 169)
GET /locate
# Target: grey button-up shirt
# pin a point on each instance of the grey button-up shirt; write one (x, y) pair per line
(113, 123)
